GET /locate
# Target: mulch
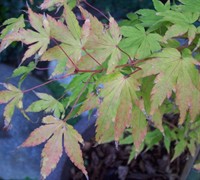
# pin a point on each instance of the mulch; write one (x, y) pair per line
(105, 162)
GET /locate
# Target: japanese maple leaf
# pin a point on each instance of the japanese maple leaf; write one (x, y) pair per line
(183, 23)
(37, 40)
(53, 131)
(175, 72)
(48, 104)
(103, 42)
(13, 97)
(150, 18)
(138, 125)
(191, 6)
(12, 25)
(49, 3)
(114, 113)
(138, 42)
(71, 44)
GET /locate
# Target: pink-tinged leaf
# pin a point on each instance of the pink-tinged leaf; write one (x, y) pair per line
(10, 108)
(6, 96)
(12, 26)
(72, 147)
(157, 120)
(174, 73)
(103, 41)
(139, 127)
(58, 29)
(192, 31)
(13, 96)
(197, 166)
(110, 109)
(52, 152)
(36, 20)
(86, 29)
(124, 113)
(50, 3)
(96, 26)
(39, 135)
(72, 22)
(114, 29)
(50, 120)
(92, 101)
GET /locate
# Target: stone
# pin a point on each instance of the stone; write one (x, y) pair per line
(19, 163)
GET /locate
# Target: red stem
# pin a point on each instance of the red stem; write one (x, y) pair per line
(66, 54)
(138, 69)
(75, 103)
(91, 56)
(43, 69)
(125, 53)
(40, 85)
(96, 9)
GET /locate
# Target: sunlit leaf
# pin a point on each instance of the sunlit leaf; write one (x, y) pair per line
(174, 73)
(13, 98)
(48, 104)
(53, 131)
(138, 43)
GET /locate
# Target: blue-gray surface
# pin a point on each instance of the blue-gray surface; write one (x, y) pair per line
(19, 163)
(194, 175)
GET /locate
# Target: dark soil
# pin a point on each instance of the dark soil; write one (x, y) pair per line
(104, 162)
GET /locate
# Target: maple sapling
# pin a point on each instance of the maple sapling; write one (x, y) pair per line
(133, 74)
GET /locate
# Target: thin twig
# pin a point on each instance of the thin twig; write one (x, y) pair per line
(43, 84)
(91, 56)
(40, 85)
(75, 103)
(96, 9)
(66, 55)
(138, 69)
(125, 53)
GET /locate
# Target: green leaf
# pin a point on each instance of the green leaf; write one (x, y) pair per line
(23, 71)
(126, 140)
(149, 18)
(146, 88)
(174, 73)
(192, 147)
(53, 131)
(183, 23)
(179, 149)
(13, 25)
(139, 127)
(191, 6)
(13, 97)
(167, 138)
(92, 101)
(37, 40)
(132, 20)
(160, 7)
(138, 43)
(72, 23)
(152, 138)
(48, 104)
(113, 109)
(103, 42)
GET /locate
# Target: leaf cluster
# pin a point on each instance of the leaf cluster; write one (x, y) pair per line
(133, 73)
